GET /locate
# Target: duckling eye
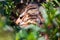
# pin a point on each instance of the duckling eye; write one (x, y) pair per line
(21, 17)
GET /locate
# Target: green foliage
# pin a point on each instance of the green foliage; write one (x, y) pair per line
(51, 13)
(9, 7)
(2, 21)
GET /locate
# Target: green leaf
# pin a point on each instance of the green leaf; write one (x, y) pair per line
(32, 36)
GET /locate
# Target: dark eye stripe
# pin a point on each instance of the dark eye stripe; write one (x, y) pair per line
(31, 9)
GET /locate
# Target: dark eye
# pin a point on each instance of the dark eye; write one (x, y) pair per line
(21, 17)
(41, 23)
